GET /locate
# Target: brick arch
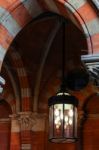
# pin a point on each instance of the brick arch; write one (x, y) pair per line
(23, 80)
(83, 15)
(5, 109)
(14, 15)
(15, 90)
(9, 98)
(91, 104)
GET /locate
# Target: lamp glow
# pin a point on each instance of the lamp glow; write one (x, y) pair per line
(63, 118)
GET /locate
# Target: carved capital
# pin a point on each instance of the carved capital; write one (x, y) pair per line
(32, 121)
(25, 120)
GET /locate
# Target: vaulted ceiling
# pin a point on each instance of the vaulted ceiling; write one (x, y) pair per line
(39, 49)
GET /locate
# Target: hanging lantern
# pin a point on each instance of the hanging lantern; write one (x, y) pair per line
(63, 109)
(63, 118)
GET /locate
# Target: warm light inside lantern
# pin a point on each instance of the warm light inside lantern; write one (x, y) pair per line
(62, 119)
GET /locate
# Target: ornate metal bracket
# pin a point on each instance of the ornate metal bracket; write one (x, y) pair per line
(96, 3)
(92, 64)
(2, 83)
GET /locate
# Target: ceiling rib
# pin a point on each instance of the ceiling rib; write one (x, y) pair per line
(40, 70)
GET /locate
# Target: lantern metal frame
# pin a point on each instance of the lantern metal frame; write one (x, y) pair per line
(64, 100)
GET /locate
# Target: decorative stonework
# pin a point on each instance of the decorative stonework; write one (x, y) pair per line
(25, 120)
(96, 3)
(2, 83)
(92, 65)
(32, 121)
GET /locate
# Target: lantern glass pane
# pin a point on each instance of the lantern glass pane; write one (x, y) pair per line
(58, 120)
(51, 121)
(75, 123)
(68, 120)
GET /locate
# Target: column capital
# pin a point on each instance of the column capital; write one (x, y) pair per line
(13, 116)
(32, 121)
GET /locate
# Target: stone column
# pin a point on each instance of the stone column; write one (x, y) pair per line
(15, 133)
(26, 125)
(32, 130)
(39, 131)
(4, 133)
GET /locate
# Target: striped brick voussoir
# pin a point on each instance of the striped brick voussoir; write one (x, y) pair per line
(15, 14)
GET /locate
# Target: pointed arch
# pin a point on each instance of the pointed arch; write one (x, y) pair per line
(11, 22)
(23, 80)
(9, 98)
